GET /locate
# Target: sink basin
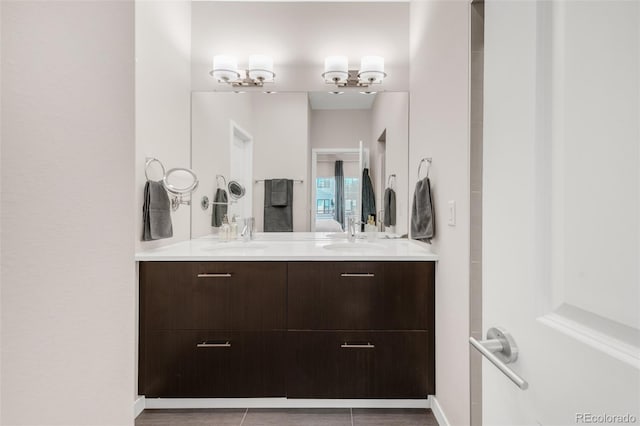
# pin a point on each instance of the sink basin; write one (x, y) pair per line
(343, 235)
(236, 245)
(358, 246)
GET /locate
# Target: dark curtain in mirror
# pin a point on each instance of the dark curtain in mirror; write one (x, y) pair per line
(339, 212)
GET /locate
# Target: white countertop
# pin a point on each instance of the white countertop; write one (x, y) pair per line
(292, 246)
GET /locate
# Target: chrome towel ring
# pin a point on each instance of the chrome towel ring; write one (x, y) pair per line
(178, 182)
(426, 160)
(148, 163)
(389, 179)
(224, 185)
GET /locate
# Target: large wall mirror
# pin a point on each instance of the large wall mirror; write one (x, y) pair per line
(320, 143)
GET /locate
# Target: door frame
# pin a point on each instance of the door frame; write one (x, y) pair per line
(314, 171)
(237, 132)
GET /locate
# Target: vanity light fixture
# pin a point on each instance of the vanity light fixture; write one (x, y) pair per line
(371, 69)
(260, 71)
(336, 71)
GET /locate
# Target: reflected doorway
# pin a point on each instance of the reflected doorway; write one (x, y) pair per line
(326, 194)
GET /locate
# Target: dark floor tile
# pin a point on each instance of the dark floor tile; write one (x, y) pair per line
(393, 417)
(298, 417)
(191, 417)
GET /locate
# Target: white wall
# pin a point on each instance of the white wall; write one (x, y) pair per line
(439, 128)
(299, 35)
(391, 112)
(280, 150)
(0, 210)
(340, 128)
(163, 90)
(211, 115)
(68, 283)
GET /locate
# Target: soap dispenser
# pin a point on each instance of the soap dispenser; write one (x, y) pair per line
(370, 228)
(234, 227)
(225, 229)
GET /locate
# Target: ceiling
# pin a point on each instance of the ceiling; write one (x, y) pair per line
(308, 1)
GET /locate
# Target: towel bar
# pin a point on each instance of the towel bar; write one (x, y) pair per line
(294, 180)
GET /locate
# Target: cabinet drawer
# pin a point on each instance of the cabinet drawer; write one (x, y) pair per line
(360, 295)
(357, 364)
(213, 295)
(213, 364)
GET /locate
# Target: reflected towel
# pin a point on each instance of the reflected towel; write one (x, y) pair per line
(422, 212)
(279, 192)
(278, 218)
(219, 210)
(156, 212)
(368, 197)
(389, 207)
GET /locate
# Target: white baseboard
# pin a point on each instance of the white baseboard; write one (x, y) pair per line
(176, 403)
(436, 409)
(138, 406)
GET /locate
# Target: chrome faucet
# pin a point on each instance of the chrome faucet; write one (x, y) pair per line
(352, 224)
(247, 230)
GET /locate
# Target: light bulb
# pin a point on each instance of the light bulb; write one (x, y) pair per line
(336, 69)
(225, 68)
(261, 68)
(371, 69)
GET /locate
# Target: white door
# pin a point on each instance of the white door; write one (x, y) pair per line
(561, 234)
(241, 169)
(362, 163)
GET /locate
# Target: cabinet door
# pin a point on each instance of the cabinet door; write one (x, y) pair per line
(239, 295)
(213, 295)
(214, 364)
(165, 295)
(360, 295)
(340, 364)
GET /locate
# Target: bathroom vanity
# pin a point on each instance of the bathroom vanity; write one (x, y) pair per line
(310, 317)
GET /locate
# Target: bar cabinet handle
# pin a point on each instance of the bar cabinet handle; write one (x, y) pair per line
(226, 275)
(357, 345)
(214, 345)
(364, 274)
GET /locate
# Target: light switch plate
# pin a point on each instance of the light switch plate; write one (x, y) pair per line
(452, 213)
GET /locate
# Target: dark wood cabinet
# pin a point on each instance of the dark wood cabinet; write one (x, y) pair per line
(358, 364)
(215, 364)
(360, 295)
(212, 329)
(295, 329)
(213, 295)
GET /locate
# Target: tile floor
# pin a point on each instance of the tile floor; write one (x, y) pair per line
(288, 417)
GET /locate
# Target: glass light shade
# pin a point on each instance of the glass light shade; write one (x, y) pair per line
(371, 69)
(261, 68)
(336, 69)
(225, 68)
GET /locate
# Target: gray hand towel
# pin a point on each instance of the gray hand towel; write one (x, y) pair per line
(219, 210)
(156, 212)
(278, 218)
(422, 212)
(279, 192)
(368, 197)
(389, 207)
